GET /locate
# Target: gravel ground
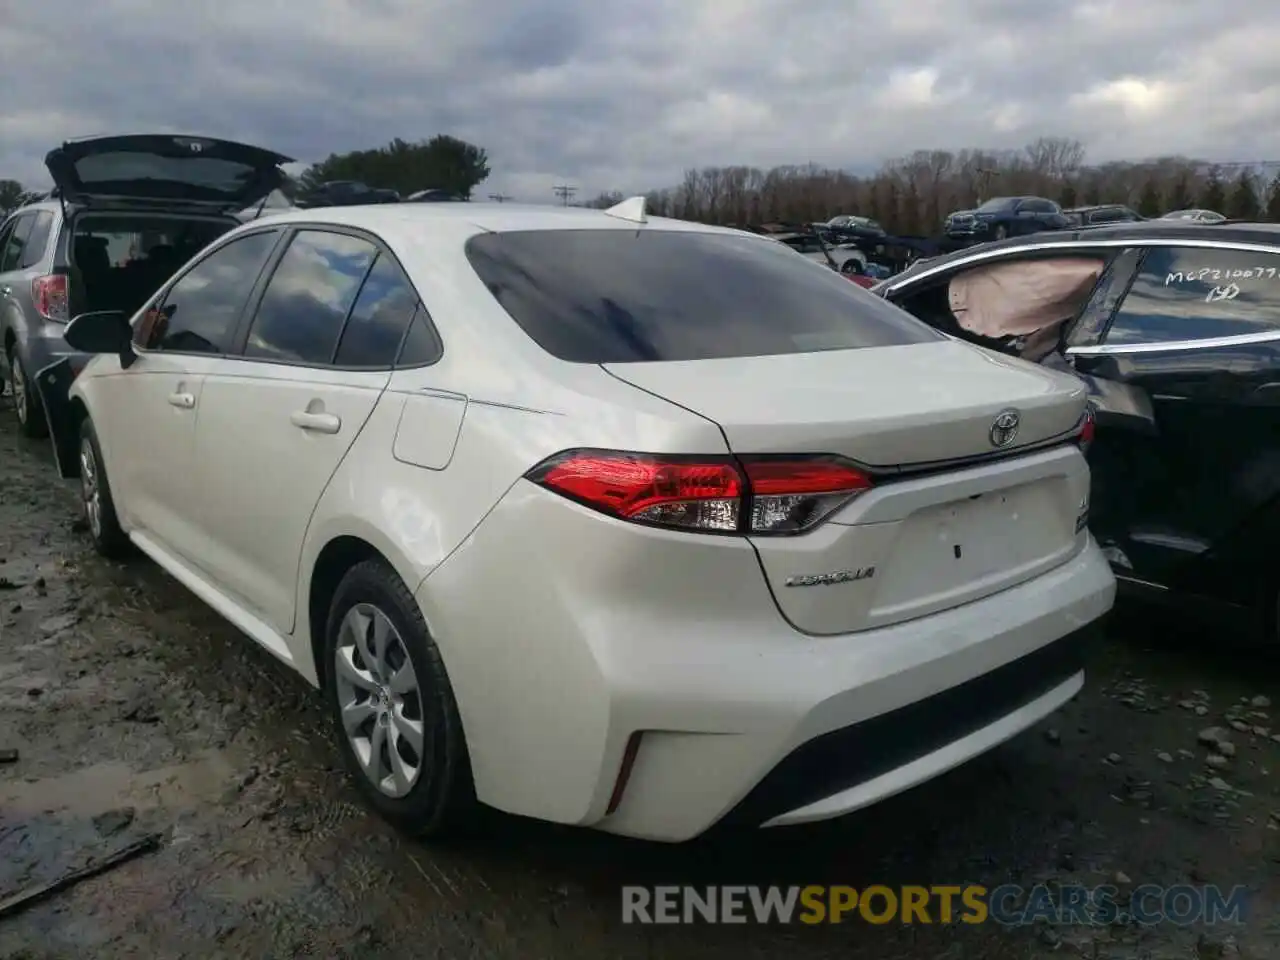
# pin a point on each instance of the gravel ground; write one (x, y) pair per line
(136, 710)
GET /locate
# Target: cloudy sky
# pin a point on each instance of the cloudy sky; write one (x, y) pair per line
(625, 94)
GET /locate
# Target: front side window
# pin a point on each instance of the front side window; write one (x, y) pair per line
(1195, 293)
(200, 312)
(619, 296)
(307, 299)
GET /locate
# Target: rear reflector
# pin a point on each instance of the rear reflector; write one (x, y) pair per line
(713, 494)
(50, 296)
(1085, 437)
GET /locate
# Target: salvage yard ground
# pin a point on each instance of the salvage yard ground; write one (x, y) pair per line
(135, 710)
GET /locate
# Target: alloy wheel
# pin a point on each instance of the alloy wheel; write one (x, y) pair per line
(90, 491)
(379, 700)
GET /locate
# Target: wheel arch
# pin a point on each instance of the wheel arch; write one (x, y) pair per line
(339, 553)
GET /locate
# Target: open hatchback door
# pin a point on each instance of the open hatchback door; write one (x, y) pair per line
(166, 169)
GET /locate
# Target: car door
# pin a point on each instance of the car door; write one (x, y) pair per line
(277, 420)
(146, 413)
(1198, 332)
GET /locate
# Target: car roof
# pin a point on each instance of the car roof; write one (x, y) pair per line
(1097, 206)
(470, 218)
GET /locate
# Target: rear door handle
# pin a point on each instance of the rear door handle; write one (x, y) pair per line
(316, 422)
(183, 401)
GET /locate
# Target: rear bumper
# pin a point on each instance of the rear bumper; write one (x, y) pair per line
(563, 642)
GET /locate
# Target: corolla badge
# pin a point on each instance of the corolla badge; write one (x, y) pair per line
(830, 579)
(1004, 428)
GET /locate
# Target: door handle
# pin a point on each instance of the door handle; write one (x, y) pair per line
(316, 422)
(183, 401)
(6, 291)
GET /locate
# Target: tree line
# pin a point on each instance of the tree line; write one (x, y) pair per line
(912, 195)
(442, 162)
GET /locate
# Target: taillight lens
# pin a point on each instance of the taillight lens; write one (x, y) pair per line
(759, 495)
(789, 495)
(50, 295)
(1087, 429)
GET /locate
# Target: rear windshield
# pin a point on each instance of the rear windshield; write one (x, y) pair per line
(619, 296)
(208, 175)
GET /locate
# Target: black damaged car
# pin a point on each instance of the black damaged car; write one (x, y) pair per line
(1176, 331)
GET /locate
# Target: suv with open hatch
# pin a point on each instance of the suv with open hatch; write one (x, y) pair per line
(124, 214)
(594, 517)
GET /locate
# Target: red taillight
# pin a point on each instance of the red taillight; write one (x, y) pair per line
(712, 494)
(1085, 438)
(50, 295)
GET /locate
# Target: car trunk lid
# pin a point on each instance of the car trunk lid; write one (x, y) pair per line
(883, 407)
(951, 516)
(164, 168)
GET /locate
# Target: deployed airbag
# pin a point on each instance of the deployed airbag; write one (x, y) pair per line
(1022, 298)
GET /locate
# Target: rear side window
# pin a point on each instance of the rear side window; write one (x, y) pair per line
(619, 296)
(307, 299)
(11, 252)
(37, 239)
(381, 315)
(1194, 293)
(201, 310)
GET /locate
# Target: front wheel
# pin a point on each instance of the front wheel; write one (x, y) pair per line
(1001, 232)
(851, 266)
(393, 709)
(26, 399)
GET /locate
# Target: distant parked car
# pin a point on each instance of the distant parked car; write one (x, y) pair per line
(853, 228)
(846, 257)
(346, 193)
(1101, 213)
(129, 211)
(1195, 215)
(1006, 217)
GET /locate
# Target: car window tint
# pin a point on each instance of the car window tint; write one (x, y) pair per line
(200, 311)
(618, 296)
(422, 344)
(37, 239)
(382, 313)
(1191, 293)
(308, 297)
(11, 254)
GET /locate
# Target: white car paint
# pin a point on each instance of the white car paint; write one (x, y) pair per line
(566, 632)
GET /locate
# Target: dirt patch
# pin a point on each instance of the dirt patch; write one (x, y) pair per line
(135, 709)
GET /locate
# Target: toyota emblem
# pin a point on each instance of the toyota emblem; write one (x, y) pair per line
(1004, 428)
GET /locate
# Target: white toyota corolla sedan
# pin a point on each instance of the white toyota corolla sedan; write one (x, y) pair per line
(601, 519)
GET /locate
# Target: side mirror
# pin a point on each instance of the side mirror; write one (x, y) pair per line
(102, 331)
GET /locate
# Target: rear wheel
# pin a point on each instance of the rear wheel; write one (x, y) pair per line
(95, 497)
(851, 265)
(393, 709)
(26, 399)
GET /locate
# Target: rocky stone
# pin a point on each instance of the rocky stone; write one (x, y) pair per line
(1164, 757)
(1260, 702)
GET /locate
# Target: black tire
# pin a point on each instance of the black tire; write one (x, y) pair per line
(441, 801)
(26, 399)
(1001, 232)
(100, 519)
(850, 266)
